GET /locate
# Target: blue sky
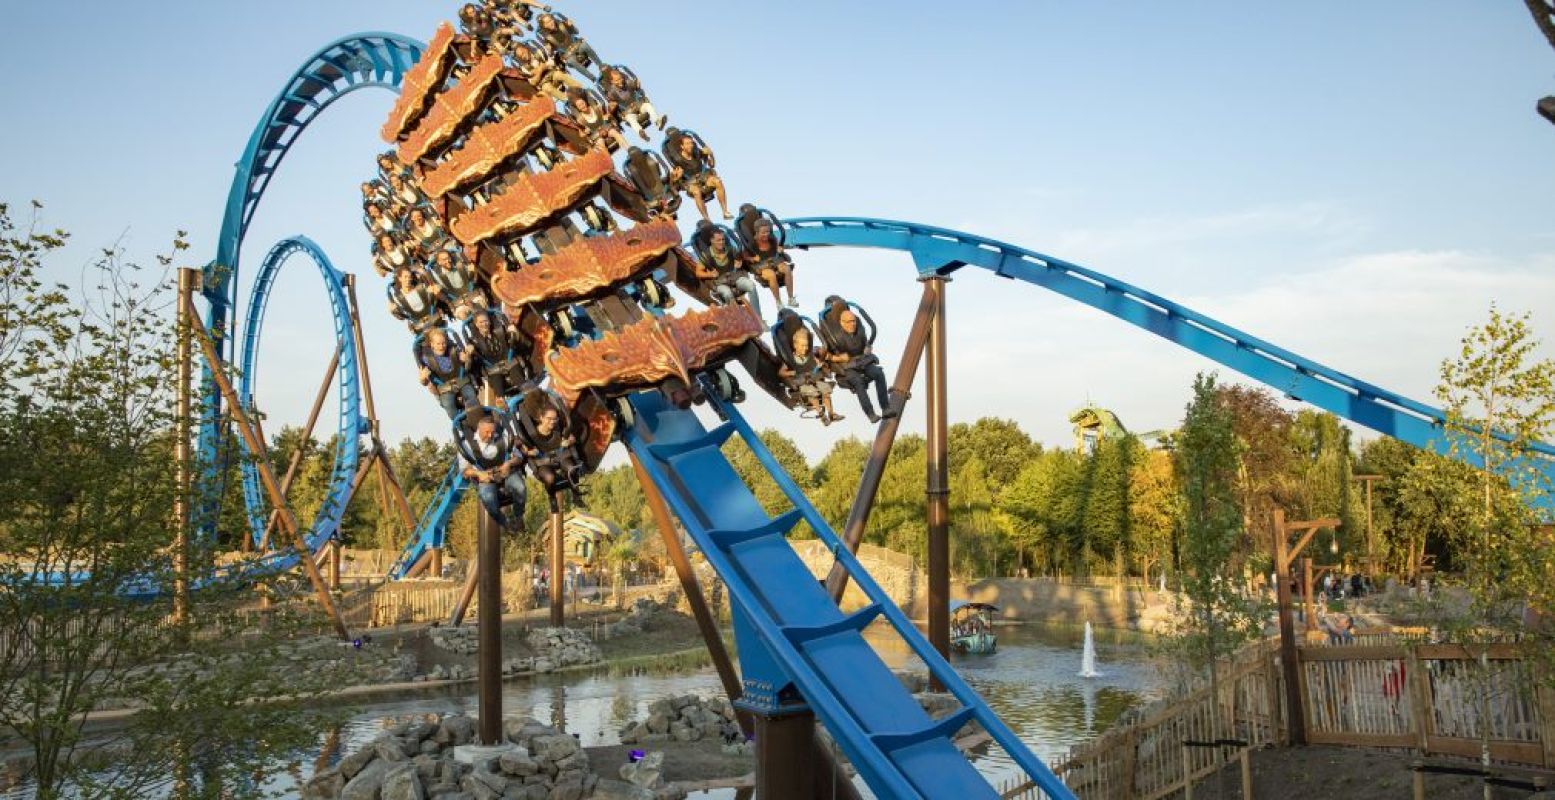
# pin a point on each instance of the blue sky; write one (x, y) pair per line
(1353, 181)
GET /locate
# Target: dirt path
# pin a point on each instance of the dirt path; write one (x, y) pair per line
(1337, 773)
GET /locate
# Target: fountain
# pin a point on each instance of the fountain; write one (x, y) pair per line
(1088, 660)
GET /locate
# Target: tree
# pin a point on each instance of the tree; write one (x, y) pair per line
(1155, 511)
(1221, 617)
(837, 480)
(1105, 516)
(86, 497)
(1266, 461)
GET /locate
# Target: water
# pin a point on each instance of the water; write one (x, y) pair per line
(1030, 682)
(1088, 659)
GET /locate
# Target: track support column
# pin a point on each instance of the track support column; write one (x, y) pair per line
(489, 623)
(558, 566)
(885, 437)
(937, 488)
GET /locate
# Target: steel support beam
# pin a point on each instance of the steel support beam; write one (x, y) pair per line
(937, 485)
(258, 451)
(885, 436)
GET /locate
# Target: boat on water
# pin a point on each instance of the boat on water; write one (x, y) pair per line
(971, 627)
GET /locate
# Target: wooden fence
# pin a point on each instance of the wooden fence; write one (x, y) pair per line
(1430, 699)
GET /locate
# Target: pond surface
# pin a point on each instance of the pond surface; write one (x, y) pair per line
(1032, 682)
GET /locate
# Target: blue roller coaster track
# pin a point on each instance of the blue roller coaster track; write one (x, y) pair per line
(790, 634)
(351, 423)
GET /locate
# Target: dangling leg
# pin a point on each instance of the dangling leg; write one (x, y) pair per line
(718, 191)
(770, 276)
(786, 273)
(491, 499)
(695, 190)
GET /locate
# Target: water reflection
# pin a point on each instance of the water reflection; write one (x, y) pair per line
(1031, 682)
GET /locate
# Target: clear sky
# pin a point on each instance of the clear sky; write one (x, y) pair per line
(1353, 181)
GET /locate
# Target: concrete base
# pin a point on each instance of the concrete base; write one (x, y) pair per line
(476, 753)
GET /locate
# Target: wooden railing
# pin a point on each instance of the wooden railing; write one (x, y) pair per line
(1429, 699)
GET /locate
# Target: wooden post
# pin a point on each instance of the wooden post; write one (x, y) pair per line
(302, 444)
(256, 447)
(334, 564)
(436, 565)
(1419, 688)
(1247, 774)
(937, 485)
(388, 484)
(1187, 773)
(1545, 696)
(1306, 591)
(1295, 724)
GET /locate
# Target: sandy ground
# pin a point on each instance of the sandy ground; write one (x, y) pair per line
(1338, 773)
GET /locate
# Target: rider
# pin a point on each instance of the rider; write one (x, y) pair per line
(424, 229)
(718, 265)
(412, 300)
(692, 170)
(561, 36)
(541, 72)
(625, 100)
(545, 432)
(456, 282)
(389, 256)
(589, 113)
(647, 174)
(850, 350)
(488, 456)
(803, 365)
(499, 352)
(764, 252)
(445, 371)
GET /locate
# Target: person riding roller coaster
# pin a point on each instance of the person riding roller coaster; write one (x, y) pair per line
(477, 22)
(489, 456)
(425, 229)
(537, 68)
(445, 370)
(457, 284)
(561, 36)
(499, 352)
(626, 101)
(761, 238)
(545, 433)
(375, 219)
(849, 336)
(650, 176)
(803, 368)
(414, 300)
(515, 16)
(585, 108)
(389, 254)
(693, 170)
(719, 265)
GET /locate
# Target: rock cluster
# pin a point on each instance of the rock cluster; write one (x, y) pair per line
(462, 639)
(453, 672)
(639, 619)
(556, 648)
(415, 761)
(687, 718)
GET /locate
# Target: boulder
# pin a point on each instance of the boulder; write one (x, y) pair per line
(646, 773)
(389, 748)
(353, 763)
(555, 747)
(325, 785)
(403, 782)
(368, 784)
(456, 730)
(518, 763)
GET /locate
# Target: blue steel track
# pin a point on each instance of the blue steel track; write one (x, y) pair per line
(791, 635)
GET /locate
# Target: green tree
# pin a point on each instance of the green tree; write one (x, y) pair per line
(761, 482)
(1221, 617)
(837, 480)
(86, 496)
(1105, 516)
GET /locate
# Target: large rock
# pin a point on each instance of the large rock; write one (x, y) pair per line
(608, 789)
(517, 763)
(456, 730)
(658, 723)
(568, 787)
(646, 773)
(390, 748)
(403, 782)
(368, 784)
(354, 762)
(555, 747)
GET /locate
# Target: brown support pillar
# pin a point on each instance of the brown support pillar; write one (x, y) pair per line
(302, 445)
(334, 564)
(436, 567)
(388, 484)
(467, 593)
(691, 588)
(885, 437)
(783, 765)
(1309, 604)
(558, 566)
(937, 489)
(256, 446)
(489, 624)
(1295, 724)
(187, 279)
